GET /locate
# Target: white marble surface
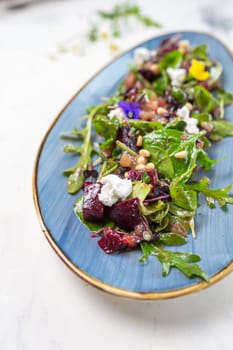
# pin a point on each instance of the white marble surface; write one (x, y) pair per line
(42, 304)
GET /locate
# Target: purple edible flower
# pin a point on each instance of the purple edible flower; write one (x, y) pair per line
(131, 109)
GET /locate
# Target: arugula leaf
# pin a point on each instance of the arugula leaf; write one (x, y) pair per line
(182, 213)
(171, 238)
(206, 102)
(179, 95)
(157, 215)
(164, 144)
(221, 128)
(171, 59)
(204, 160)
(178, 225)
(199, 52)
(144, 126)
(184, 198)
(107, 128)
(140, 190)
(71, 148)
(162, 161)
(227, 96)
(202, 117)
(76, 178)
(161, 83)
(221, 195)
(185, 262)
(152, 208)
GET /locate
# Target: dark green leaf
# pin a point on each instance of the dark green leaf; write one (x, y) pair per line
(227, 96)
(144, 126)
(161, 83)
(221, 194)
(222, 128)
(185, 262)
(171, 59)
(204, 160)
(199, 52)
(186, 199)
(179, 95)
(206, 102)
(170, 238)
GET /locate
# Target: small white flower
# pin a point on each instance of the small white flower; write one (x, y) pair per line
(191, 126)
(177, 75)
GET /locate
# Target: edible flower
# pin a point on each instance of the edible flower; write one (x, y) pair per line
(130, 109)
(197, 70)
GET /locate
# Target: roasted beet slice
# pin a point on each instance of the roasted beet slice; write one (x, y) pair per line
(125, 214)
(93, 209)
(111, 241)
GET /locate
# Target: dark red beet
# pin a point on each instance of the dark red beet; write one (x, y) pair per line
(93, 209)
(113, 241)
(125, 214)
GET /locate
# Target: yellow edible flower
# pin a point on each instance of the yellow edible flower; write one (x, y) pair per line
(197, 70)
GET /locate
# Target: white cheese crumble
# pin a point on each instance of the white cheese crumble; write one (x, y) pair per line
(141, 55)
(191, 126)
(114, 188)
(177, 75)
(116, 112)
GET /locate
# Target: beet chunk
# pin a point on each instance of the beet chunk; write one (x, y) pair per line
(125, 214)
(111, 241)
(93, 209)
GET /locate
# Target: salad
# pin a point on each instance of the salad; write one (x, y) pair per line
(142, 155)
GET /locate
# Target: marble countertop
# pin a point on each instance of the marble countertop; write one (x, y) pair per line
(43, 305)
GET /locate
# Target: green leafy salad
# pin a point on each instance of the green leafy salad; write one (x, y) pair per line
(143, 149)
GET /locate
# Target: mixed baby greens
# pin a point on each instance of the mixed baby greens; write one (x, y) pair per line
(138, 171)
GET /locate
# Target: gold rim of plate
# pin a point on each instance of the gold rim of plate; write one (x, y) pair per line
(82, 274)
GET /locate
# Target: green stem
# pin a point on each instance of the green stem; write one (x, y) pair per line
(112, 169)
(126, 148)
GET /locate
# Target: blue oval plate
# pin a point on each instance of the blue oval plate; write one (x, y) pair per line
(122, 274)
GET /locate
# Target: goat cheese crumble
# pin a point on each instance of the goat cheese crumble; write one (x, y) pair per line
(114, 188)
(177, 75)
(191, 126)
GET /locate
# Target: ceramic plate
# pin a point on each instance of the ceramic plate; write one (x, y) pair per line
(122, 274)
